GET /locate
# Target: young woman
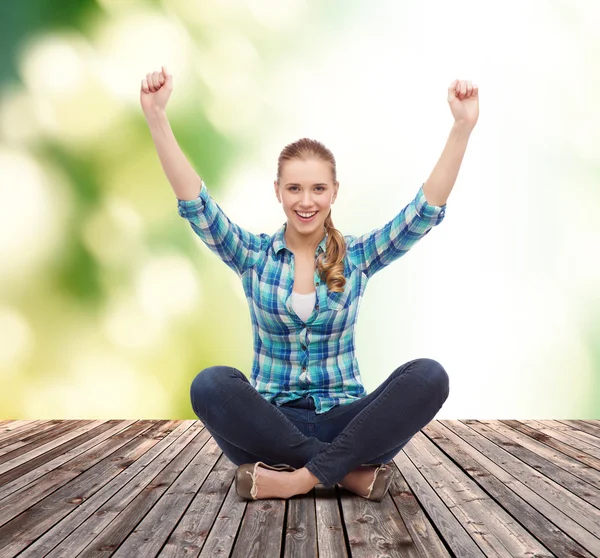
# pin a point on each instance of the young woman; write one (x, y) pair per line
(303, 417)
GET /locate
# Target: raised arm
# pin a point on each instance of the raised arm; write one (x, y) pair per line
(155, 91)
(238, 248)
(377, 249)
(463, 99)
(443, 176)
(183, 178)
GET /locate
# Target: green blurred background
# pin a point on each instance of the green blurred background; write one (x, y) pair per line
(110, 305)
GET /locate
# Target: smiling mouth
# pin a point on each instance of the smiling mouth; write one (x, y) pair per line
(306, 219)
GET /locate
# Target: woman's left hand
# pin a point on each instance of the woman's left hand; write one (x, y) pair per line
(463, 98)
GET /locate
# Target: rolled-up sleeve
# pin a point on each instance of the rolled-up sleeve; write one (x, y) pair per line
(237, 247)
(375, 250)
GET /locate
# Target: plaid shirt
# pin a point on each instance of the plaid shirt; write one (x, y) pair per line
(293, 358)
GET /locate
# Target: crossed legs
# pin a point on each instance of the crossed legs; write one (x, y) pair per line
(375, 428)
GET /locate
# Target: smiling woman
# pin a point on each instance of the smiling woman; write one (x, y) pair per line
(304, 349)
(303, 286)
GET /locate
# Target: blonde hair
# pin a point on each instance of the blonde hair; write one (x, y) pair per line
(331, 268)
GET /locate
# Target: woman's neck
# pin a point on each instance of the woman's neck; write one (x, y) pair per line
(302, 245)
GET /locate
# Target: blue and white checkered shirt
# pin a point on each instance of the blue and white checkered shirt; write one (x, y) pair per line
(293, 358)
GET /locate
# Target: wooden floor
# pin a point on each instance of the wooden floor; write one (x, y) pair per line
(163, 488)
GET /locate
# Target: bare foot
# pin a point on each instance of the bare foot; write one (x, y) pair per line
(359, 480)
(277, 484)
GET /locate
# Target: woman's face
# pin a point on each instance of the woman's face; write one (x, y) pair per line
(306, 187)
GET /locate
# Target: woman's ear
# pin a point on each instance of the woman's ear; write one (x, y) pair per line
(276, 190)
(335, 191)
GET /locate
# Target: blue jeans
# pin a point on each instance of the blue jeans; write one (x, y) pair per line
(368, 431)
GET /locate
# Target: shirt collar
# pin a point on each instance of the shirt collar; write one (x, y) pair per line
(279, 241)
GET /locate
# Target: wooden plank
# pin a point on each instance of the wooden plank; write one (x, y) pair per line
(488, 523)
(421, 530)
(331, 539)
(592, 456)
(132, 511)
(76, 530)
(38, 439)
(559, 454)
(223, 531)
(31, 463)
(445, 522)
(538, 516)
(375, 527)
(567, 512)
(15, 430)
(571, 432)
(591, 429)
(300, 537)
(22, 438)
(261, 529)
(166, 489)
(33, 522)
(39, 512)
(551, 471)
(20, 481)
(211, 522)
(8, 424)
(162, 514)
(24, 453)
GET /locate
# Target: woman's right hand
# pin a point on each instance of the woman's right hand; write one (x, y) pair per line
(156, 90)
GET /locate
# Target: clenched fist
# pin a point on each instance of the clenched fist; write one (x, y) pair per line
(156, 90)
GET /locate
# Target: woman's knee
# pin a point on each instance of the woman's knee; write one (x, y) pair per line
(209, 385)
(436, 376)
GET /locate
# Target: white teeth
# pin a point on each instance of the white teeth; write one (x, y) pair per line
(305, 214)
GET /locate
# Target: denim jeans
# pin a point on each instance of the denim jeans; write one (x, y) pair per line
(368, 431)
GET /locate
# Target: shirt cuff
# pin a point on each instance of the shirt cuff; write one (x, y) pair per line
(191, 208)
(425, 209)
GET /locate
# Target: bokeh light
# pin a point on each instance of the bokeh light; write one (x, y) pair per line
(110, 304)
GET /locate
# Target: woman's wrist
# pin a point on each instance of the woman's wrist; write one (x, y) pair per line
(155, 115)
(462, 128)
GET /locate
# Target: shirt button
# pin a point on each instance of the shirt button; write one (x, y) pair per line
(303, 347)
(304, 369)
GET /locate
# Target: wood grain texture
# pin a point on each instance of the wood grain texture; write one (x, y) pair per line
(128, 488)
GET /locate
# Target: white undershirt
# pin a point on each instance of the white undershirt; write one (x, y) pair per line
(303, 304)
